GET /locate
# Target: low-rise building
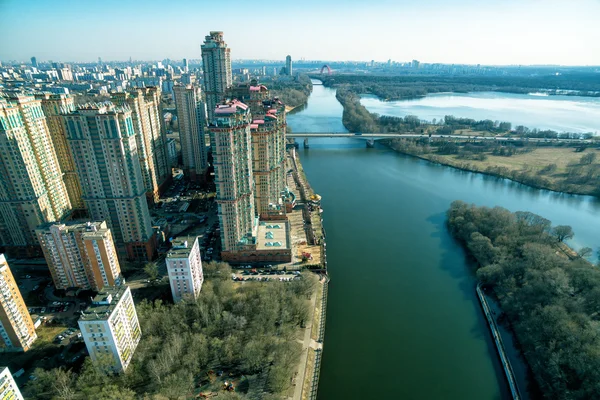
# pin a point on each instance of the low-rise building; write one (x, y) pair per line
(8, 388)
(110, 326)
(184, 266)
(17, 332)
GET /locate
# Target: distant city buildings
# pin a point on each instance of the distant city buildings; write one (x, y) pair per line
(184, 267)
(16, 327)
(32, 190)
(103, 141)
(8, 387)
(288, 66)
(191, 116)
(216, 61)
(110, 327)
(80, 254)
(34, 62)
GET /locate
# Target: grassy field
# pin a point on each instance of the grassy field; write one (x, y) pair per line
(554, 168)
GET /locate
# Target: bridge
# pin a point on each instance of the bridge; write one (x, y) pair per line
(392, 135)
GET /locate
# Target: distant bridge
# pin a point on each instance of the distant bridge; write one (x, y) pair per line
(391, 135)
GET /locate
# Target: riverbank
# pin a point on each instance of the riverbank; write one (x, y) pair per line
(558, 169)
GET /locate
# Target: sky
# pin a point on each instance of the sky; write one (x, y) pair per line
(488, 32)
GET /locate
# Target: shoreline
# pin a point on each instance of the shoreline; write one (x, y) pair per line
(484, 172)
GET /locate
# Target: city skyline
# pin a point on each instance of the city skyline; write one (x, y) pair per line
(466, 32)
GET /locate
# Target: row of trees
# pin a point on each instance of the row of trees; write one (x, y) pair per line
(249, 332)
(550, 298)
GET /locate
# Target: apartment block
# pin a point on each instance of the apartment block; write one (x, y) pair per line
(151, 137)
(80, 254)
(184, 266)
(8, 387)
(16, 327)
(32, 191)
(231, 146)
(110, 327)
(192, 124)
(103, 142)
(53, 106)
(216, 62)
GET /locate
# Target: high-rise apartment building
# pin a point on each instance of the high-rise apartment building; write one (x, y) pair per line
(268, 157)
(110, 326)
(216, 62)
(191, 116)
(231, 146)
(8, 387)
(16, 327)
(53, 106)
(185, 65)
(288, 66)
(32, 190)
(151, 137)
(34, 62)
(184, 267)
(80, 254)
(103, 141)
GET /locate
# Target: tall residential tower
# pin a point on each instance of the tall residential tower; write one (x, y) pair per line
(32, 190)
(184, 267)
(216, 62)
(103, 141)
(191, 115)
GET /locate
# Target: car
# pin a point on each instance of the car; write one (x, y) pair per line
(27, 276)
(60, 337)
(43, 310)
(78, 335)
(36, 287)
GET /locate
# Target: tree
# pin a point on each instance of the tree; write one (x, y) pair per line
(151, 269)
(585, 252)
(562, 233)
(588, 158)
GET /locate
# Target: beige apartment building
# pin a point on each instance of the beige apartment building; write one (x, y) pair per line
(53, 106)
(103, 142)
(8, 387)
(16, 327)
(80, 254)
(216, 63)
(192, 122)
(110, 326)
(151, 138)
(234, 181)
(32, 190)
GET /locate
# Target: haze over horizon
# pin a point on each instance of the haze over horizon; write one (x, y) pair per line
(510, 32)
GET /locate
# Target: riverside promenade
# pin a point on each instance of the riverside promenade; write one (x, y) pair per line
(508, 371)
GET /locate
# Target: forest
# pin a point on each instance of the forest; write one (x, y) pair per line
(245, 332)
(549, 294)
(409, 86)
(293, 92)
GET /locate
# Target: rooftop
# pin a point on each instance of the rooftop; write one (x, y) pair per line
(182, 246)
(272, 235)
(104, 303)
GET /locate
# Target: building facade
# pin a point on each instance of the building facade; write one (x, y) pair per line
(231, 146)
(53, 106)
(192, 123)
(184, 266)
(288, 66)
(103, 142)
(32, 190)
(16, 327)
(216, 63)
(110, 327)
(80, 254)
(151, 137)
(8, 387)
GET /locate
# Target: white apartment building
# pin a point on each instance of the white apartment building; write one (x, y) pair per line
(184, 266)
(110, 326)
(8, 388)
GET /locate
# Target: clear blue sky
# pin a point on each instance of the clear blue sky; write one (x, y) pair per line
(451, 31)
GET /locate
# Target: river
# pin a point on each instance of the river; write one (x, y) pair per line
(403, 321)
(559, 113)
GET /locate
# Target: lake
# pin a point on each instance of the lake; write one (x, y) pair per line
(558, 113)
